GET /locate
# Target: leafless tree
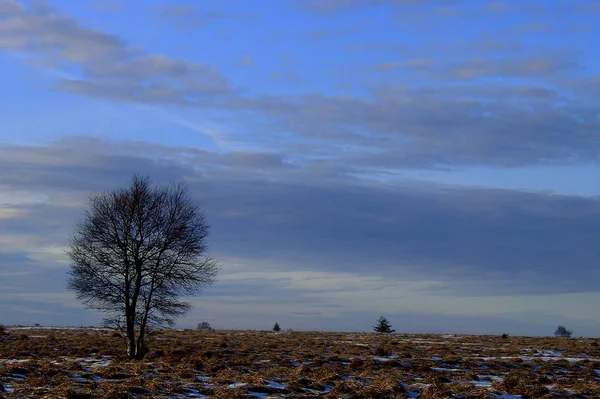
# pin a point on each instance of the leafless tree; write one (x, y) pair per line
(136, 251)
(205, 325)
(562, 331)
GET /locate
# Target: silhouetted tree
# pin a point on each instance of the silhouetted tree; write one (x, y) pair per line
(561, 331)
(383, 326)
(205, 325)
(276, 327)
(135, 252)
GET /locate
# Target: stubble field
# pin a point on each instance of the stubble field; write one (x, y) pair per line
(89, 363)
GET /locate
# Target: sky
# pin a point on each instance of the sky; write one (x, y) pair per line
(432, 161)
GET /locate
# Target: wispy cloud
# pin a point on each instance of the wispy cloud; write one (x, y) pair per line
(209, 129)
(105, 65)
(456, 112)
(330, 6)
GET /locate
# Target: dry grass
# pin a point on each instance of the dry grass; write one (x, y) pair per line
(89, 364)
(524, 383)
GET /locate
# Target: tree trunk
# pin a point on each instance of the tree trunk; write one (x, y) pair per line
(141, 344)
(133, 349)
(131, 346)
(130, 320)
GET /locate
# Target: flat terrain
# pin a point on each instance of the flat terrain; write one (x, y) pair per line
(88, 363)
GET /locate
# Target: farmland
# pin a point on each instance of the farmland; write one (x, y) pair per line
(89, 363)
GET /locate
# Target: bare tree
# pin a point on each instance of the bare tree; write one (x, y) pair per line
(135, 252)
(205, 325)
(562, 331)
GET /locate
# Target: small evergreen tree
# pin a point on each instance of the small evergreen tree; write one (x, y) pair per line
(276, 327)
(383, 326)
(561, 331)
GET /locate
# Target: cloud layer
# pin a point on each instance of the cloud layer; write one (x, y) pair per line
(316, 244)
(479, 101)
(96, 63)
(306, 128)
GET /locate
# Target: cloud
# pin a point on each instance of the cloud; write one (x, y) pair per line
(534, 27)
(431, 126)
(331, 6)
(491, 102)
(501, 7)
(591, 7)
(285, 76)
(534, 66)
(7, 6)
(321, 34)
(178, 10)
(410, 63)
(450, 232)
(91, 62)
(247, 62)
(338, 247)
(106, 5)
(392, 128)
(588, 87)
(180, 15)
(584, 7)
(307, 194)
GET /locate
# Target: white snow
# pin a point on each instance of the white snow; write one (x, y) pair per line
(237, 385)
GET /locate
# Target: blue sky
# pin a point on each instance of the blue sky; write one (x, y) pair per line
(432, 161)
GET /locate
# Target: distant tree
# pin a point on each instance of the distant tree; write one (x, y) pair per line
(135, 252)
(504, 336)
(276, 327)
(205, 325)
(383, 326)
(561, 331)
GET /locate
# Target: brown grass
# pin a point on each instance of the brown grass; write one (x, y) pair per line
(308, 364)
(524, 383)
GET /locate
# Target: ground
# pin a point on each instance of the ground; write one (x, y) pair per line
(89, 363)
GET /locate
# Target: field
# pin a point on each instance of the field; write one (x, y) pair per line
(88, 363)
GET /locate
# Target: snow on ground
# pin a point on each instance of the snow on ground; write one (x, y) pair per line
(277, 365)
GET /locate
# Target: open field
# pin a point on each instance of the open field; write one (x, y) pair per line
(88, 363)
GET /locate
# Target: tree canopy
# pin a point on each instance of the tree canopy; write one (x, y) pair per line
(136, 251)
(383, 326)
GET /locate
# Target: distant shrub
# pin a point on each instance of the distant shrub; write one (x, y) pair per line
(205, 325)
(504, 336)
(276, 327)
(562, 331)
